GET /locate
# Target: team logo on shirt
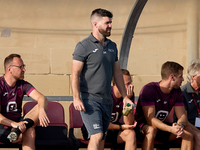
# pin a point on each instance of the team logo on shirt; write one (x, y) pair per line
(95, 50)
(11, 106)
(5, 93)
(158, 100)
(162, 115)
(19, 92)
(190, 101)
(111, 50)
(114, 117)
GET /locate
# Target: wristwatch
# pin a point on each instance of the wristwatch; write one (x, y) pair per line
(120, 127)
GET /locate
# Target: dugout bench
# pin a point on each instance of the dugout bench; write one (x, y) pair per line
(76, 123)
(52, 137)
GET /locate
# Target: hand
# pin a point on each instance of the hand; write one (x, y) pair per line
(78, 105)
(44, 120)
(129, 91)
(125, 126)
(21, 125)
(180, 134)
(127, 100)
(177, 130)
(181, 131)
(135, 123)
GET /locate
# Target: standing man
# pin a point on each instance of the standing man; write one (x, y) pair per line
(156, 100)
(119, 132)
(192, 100)
(95, 62)
(12, 90)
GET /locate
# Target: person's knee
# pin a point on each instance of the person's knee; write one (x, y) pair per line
(188, 136)
(130, 134)
(150, 132)
(96, 137)
(197, 137)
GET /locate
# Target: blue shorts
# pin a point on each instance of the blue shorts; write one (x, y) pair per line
(96, 118)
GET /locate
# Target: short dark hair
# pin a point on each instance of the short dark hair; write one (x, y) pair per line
(169, 68)
(124, 72)
(9, 59)
(102, 13)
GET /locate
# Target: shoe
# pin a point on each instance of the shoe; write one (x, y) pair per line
(14, 134)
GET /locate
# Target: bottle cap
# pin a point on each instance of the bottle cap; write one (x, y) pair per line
(128, 104)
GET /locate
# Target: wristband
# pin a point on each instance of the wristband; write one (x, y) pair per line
(182, 124)
(120, 127)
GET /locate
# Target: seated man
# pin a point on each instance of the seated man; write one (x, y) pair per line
(156, 100)
(192, 100)
(12, 90)
(118, 132)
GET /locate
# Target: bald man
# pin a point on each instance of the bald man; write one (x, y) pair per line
(95, 62)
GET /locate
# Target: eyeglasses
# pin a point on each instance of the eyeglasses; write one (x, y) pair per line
(20, 67)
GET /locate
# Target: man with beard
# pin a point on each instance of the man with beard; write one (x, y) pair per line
(155, 102)
(120, 131)
(12, 90)
(95, 62)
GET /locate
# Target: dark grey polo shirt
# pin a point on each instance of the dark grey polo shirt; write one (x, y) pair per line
(191, 108)
(96, 75)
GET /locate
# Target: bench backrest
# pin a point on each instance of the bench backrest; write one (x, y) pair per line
(75, 117)
(55, 111)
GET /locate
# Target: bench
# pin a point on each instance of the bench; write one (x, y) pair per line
(53, 136)
(76, 123)
(18, 145)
